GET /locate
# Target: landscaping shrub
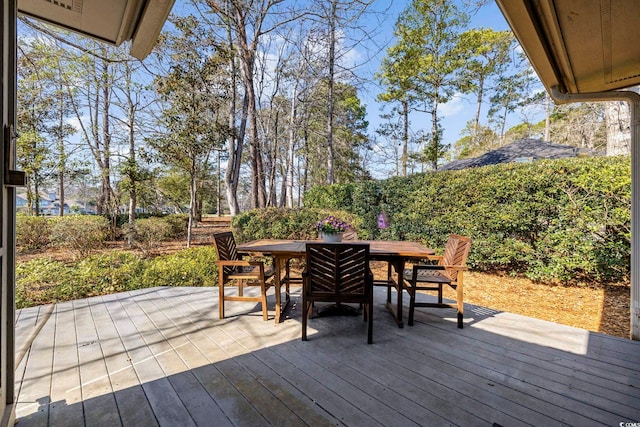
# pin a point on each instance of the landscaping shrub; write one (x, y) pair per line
(43, 281)
(549, 220)
(273, 223)
(79, 234)
(188, 267)
(39, 282)
(33, 233)
(178, 224)
(149, 233)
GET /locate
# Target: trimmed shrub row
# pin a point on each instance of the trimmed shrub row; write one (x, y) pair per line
(549, 220)
(83, 234)
(272, 223)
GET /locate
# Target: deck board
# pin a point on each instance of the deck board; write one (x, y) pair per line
(161, 356)
(514, 381)
(65, 390)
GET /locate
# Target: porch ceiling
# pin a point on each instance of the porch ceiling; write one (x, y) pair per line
(581, 46)
(114, 21)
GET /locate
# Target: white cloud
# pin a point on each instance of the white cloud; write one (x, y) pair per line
(454, 106)
(73, 121)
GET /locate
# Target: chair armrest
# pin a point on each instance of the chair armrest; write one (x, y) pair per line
(455, 270)
(456, 267)
(255, 263)
(428, 267)
(234, 263)
(441, 267)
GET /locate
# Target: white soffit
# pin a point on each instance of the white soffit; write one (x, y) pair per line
(581, 45)
(111, 21)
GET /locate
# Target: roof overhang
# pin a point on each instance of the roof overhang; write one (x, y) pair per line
(579, 46)
(111, 21)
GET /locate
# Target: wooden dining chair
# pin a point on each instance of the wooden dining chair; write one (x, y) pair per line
(339, 273)
(448, 271)
(232, 270)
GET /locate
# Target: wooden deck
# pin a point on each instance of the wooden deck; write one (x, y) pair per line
(161, 357)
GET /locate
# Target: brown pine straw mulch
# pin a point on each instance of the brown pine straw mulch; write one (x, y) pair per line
(600, 308)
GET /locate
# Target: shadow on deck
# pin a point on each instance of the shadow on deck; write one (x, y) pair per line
(162, 357)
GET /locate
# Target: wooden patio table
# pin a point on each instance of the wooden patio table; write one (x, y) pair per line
(395, 253)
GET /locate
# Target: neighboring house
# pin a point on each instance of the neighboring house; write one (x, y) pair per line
(21, 202)
(49, 204)
(523, 150)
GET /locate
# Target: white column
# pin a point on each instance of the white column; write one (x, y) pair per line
(635, 216)
(634, 105)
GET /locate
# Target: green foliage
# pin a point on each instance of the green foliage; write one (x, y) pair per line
(43, 281)
(149, 233)
(349, 132)
(79, 234)
(37, 282)
(189, 267)
(338, 196)
(549, 220)
(178, 224)
(272, 223)
(32, 232)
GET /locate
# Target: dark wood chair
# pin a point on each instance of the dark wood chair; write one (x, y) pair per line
(232, 270)
(339, 273)
(448, 271)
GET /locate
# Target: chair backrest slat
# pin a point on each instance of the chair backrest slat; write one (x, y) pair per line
(225, 245)
(455, 253)
(337, 269)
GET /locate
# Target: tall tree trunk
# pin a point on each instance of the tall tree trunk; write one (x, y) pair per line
(103, 153)
(273, 199)
(476, 119)
(247, 62)
(235, 139)
(547, 119)
(503, 124)
(332, 59)
(258, 190)
(435, 136)
(105, 182)
(305, 177)
(405, 136)
(617, 119)
(61, 152)
(192, 200)
(36, 191)
(133, 190)
(291, 147)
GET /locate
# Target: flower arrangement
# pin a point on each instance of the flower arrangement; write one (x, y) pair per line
(332, 225)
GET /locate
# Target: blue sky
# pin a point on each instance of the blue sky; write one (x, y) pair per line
(379, 22)
(456, 113)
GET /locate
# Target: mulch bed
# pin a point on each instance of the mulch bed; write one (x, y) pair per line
(603, 309)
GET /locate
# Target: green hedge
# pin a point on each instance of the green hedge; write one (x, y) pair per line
(275, 223)
(550, 220)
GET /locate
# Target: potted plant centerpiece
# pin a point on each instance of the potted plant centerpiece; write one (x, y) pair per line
(332, 228)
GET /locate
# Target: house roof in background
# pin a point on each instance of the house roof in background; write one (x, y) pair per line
(523, 150)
